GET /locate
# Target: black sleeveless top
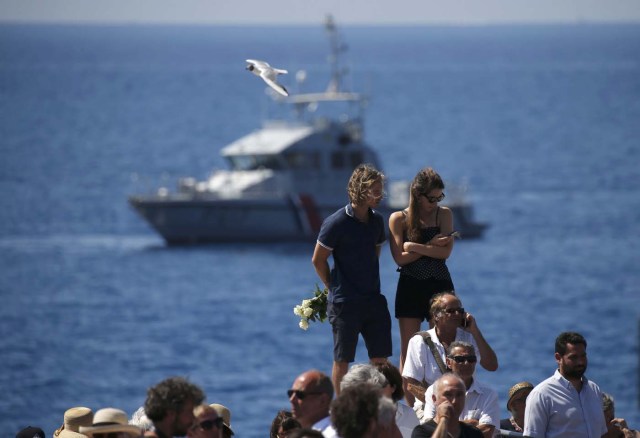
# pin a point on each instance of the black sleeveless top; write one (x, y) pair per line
(426, 267)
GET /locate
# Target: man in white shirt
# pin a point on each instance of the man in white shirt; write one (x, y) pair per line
(567, 404)
(481, 408)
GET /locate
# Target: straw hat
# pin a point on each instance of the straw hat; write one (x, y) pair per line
(516, 389)
(225, 413)
(73, 419)
(110, 420)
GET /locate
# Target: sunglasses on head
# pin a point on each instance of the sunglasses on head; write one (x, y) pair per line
(464, 359)
(209, 424)
(301, 394)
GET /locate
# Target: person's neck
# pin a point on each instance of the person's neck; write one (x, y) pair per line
(575, 381)
(446, 335)
(361, 212)
(163, 430)
(468, 381)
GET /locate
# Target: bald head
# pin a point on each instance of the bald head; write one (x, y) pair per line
(450, 389)
(310, 397)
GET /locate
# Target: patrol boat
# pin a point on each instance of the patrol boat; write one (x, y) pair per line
(284, 178)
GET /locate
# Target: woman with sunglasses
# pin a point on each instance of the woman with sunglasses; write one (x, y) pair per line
(420, 245)
(207, 423)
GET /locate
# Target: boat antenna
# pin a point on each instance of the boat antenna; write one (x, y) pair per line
(337, 48)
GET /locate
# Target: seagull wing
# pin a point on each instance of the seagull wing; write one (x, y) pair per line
(273, 84)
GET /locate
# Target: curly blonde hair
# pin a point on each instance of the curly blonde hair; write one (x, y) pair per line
(363, 177)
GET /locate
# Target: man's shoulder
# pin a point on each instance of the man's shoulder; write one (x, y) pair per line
(337, 216)
(543, 389)
(482, 387)
(593, 386)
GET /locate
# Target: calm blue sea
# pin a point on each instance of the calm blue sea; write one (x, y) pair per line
(543, 122)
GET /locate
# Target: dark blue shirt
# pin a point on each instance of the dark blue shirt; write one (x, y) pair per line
(356, 271)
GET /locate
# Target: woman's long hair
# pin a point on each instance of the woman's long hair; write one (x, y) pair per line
(425, 181)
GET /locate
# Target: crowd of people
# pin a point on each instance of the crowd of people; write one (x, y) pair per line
(432, 393)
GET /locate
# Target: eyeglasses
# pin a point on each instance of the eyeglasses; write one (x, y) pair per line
(433, 199)
(464, 359)
(459, 310)
(209, 424)
(301, 394)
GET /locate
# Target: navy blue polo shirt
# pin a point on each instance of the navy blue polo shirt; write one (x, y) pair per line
(356, 270)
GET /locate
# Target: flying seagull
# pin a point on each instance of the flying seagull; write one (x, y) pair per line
(268, 73)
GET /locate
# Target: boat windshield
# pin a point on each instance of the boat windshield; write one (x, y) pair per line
(253, 162)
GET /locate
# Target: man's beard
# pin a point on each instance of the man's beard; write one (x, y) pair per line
(574, 372)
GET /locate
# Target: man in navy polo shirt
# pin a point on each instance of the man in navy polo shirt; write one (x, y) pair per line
(354, 235)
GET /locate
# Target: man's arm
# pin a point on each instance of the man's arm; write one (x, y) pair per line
(535, 416)
(488, 358)
(320, 262)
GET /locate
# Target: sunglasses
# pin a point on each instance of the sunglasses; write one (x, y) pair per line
(459, 310)
(464, 359)
(301, 394)
(209, 424)
(433, 199)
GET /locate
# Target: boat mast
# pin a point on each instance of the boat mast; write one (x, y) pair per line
(337, 48)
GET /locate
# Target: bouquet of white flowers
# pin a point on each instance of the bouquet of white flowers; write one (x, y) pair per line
(312, 309)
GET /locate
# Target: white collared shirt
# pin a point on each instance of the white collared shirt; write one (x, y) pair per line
(325, 427)
(420, 363)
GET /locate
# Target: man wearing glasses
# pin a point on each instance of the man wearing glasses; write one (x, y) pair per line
(425, 363)
(310, 397)
(353, 235)
(207, 423)
(481, 408)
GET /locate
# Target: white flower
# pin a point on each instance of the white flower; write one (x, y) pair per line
(306, 303)
(298, 310)
(307, 312)
(304, 324)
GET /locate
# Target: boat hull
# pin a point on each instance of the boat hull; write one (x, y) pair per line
(184, 221)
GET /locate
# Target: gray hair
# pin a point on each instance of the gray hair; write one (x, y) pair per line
(437, 383)
(386, 411)
(460, 344)
(363, 373)
(140, 419)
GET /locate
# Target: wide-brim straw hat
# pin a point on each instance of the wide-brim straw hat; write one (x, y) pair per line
(521, 386)
(225, 413)
(111, 420)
